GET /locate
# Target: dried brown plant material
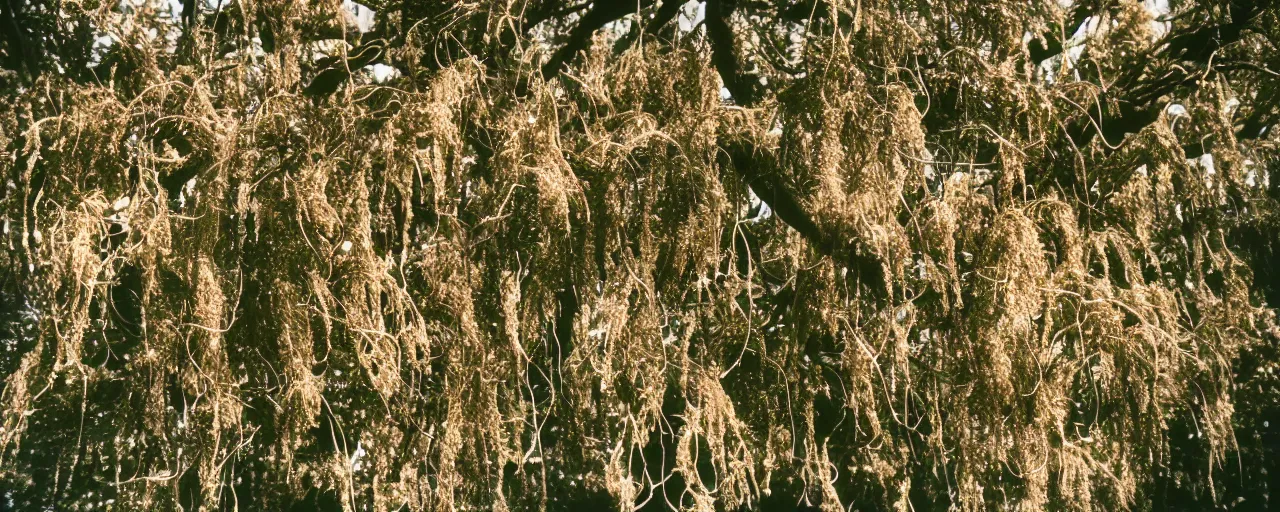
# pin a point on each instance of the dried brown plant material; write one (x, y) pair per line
(714, 255)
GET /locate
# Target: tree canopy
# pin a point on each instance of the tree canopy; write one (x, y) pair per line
(639, 255)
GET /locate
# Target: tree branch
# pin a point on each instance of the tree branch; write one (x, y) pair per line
(666, 12)
(1195, 48)
(580, 37)
(757, 167)
(15, 28)
(1052, 45)
(724, 54)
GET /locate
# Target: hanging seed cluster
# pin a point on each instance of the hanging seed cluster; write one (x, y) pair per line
(883, 267)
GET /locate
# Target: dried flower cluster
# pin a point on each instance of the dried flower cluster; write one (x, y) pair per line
(706, 255)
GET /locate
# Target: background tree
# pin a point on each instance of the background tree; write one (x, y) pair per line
(710, 255)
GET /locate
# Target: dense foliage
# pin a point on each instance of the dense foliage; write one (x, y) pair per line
(704, 255)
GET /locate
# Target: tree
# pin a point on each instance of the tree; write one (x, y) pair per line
(703, 255)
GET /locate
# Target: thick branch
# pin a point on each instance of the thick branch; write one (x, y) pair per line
(757, 168)
(1138, 106)
(724, 53)
(1254, 127)
(580, 37)
(666, 12)
(548, 12)
(1200, 44)
(336, 70)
